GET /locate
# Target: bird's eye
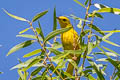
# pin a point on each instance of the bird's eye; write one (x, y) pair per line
(64, 20)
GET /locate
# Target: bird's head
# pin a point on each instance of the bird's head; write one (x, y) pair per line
(64, 21)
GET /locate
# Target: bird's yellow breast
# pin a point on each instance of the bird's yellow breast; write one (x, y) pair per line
(70, 40)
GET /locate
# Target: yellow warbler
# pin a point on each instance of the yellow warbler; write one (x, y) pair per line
(69, 40)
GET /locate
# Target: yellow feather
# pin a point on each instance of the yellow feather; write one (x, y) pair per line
(69, 39)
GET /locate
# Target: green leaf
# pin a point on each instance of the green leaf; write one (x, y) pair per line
(54, 20)
(36, 71)
(90, 77)
(86, 2)
(1, 72)
(32, 53)
(109, 10)
(39, 15)
(111, 51)
(95, 15)
(20, 74)
(111, 31)
(24, 30)
(15, 17)
(79, 3)
(27, 36)
(73, 63)
(40, 30)
(19, 46)
(69, 75)
(31, 64)
(90, 47)
(96, 29)
(55, 32)
(116, 64)
(74, 51)
(56, 52)
(97, 70)
(25, 64)
(56, 45)
(107, 36)
(57, 57)
(109, 42)
(84, 33)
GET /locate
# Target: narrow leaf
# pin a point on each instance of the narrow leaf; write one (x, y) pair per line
(31, 64)
(109, 42)
(40, 30)
(96, 29)
(86, 2)
(56, 52)
(15, 17)
(97, 70)
(36, 71)
(39, 15)
(54, 20)
(19, 46)
(111, 51)
(32, 53)
(109, 10)
(79, 3)
(90, 47)
(27, 36)
(95, 15)
(24, 30)
(116, 64)
(56, 32)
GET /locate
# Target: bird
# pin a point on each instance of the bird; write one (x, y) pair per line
(69, 41)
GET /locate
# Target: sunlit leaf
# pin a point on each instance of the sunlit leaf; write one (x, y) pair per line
(39, 15)
(109, 10)
(79, 3)
(95, 15)
(15, 17)
(107, 36)
(24, 30)
(54, 20)
(69, 75)
(111, 51)
(73, 51)
(56, 32)
(113, 31)
(27, 36)
(100, 6)
(21, 74)
(73, 63)
(33, 53)
(114, 44)
(19, 46)
(31, 64)
(90, 47)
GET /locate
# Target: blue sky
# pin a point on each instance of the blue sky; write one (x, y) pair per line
(10, 27)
